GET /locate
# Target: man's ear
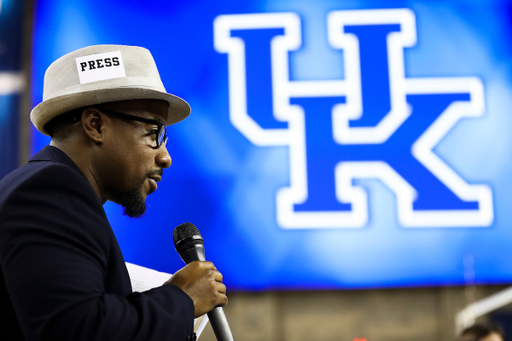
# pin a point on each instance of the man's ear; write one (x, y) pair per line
(93, 122)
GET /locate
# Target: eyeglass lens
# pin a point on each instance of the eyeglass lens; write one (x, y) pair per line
(162, 136)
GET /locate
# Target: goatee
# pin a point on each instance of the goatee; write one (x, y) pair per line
(134, 205)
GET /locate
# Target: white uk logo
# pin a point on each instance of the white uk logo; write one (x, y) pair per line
(398, 101)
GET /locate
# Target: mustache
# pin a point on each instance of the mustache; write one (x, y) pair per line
(159, 172)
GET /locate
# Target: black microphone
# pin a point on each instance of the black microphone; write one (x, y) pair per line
(189, 244)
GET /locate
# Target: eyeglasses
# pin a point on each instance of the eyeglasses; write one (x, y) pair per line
(161, 134)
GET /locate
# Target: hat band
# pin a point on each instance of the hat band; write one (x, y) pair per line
(118, 83)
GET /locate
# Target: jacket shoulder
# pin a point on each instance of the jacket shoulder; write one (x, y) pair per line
(50, 194)
(45, 178)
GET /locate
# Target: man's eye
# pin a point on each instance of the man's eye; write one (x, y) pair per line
(153, 132)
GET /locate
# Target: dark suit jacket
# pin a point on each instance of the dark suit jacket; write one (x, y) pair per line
(62, 274)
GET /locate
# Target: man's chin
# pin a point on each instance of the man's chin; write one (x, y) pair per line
(133, 203)
(134, 213)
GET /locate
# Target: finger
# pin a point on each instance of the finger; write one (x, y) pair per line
(223, 301)
(218, 276)
(221, 288)
(207, 265)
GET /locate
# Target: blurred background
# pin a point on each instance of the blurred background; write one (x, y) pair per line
(348, 163)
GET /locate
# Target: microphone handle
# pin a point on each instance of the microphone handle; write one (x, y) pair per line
(194, 253)
(217, 318)
(220, 325)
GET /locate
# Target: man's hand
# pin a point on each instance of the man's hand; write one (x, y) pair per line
(203, 283)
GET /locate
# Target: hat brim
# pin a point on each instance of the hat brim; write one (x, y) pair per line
(45, 111)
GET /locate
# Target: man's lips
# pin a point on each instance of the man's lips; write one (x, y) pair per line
(156, 178)
(153, 179)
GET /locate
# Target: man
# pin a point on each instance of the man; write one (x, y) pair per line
(62, 275)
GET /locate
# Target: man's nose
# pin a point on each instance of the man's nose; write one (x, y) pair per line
(163, 159)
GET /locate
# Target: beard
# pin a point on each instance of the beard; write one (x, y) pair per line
(134, 205)
(132, 201)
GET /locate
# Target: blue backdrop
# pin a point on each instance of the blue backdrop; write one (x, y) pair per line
(11, 86)
(332, 144)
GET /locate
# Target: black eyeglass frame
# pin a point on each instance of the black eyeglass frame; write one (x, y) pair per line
(162, 129)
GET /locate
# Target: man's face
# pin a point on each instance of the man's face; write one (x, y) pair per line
(131, 163)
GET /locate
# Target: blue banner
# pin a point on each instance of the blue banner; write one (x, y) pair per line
(330, 145)
(11, 83)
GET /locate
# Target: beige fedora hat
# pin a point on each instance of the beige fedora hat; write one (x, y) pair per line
(100, 74)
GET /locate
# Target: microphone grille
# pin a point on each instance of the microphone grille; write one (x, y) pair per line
(185, 231)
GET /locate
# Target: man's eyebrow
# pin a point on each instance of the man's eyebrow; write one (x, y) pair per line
(154, 119)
